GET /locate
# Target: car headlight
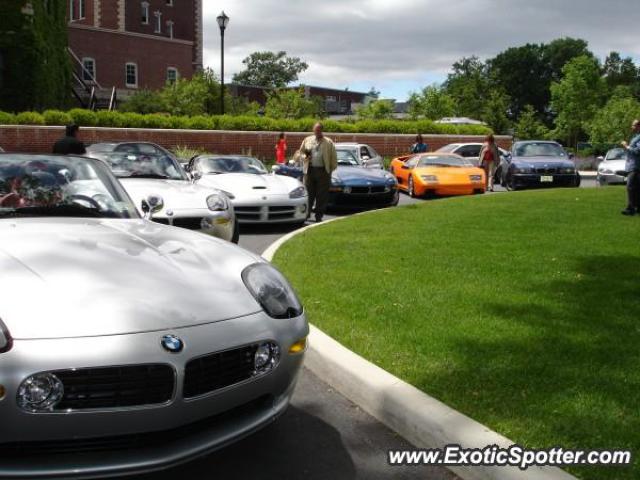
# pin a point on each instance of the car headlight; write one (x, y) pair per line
(568, 170)
(475, 178)
(5, 338)
(523, 170)
(299, 192)
(40, 392)
(217, 203)
(229, 195)
(336, 184)
(272, 291)
(430, 178)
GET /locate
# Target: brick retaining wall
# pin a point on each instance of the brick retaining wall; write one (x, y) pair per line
(36, 139)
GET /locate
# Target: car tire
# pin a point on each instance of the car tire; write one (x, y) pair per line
(578, 181)
(236, 232)
(411, 188)
(509, 183)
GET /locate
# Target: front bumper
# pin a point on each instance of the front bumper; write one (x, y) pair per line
(274, 209)
(217, 224)
(610, 179)
(363, 200)
(524, 180)
(113, 442)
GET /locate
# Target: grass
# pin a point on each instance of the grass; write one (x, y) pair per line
(520, 310)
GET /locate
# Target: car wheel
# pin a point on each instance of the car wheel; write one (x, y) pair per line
(236, 232)
(510, 183)
(411, 188)
(578, 180)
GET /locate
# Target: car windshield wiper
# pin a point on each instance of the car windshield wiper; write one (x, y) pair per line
(154, 176)
(61, 210)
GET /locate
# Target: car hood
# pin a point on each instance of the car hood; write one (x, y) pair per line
(243, 185)
(177, 194)
(613, 165)
(361, 175)
(91, 277)
(538, 161)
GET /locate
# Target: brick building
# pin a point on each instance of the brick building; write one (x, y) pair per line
(134, 44)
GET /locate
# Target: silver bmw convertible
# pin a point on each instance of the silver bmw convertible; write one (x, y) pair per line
(128, 346)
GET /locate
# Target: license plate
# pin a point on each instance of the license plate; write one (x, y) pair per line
(546, 179)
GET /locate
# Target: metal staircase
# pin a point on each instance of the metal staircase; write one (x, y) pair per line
(89, 93)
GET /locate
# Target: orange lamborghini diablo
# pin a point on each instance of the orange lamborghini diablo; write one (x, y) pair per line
(437, 174)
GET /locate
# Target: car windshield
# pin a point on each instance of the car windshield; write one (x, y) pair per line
(347, 158)
(443, 161)
(616, 154)
(135, 165)
(539, 150)
(57, 186)
(448, 148)
(221, 165)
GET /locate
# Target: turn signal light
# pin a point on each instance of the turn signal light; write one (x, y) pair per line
(298, 347)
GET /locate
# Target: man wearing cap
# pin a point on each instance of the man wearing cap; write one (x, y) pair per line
(633, 169)
(69, 144)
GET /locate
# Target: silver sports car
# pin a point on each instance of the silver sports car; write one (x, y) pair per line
(128, 346)
(144, 173)
(257, 195)
(611, 170)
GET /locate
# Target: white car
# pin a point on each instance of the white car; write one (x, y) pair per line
(257, 195)
(470, 151)
(365, 154)
(611, 167)
(186, 205)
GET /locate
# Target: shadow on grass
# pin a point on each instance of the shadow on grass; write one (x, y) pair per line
(570, 375)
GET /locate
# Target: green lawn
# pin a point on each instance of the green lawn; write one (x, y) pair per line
(520, 310)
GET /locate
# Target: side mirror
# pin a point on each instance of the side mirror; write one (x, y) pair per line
(152, 205)
(571, 156)
(600, 158)
(366, 158)
(405, 167)
(275, 168)
(196, 176)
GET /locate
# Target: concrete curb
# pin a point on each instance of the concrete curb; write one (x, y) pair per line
(419, 418)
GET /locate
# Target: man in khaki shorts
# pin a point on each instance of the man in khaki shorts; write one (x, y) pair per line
(320, 160)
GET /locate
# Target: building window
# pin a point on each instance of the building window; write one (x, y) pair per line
(88, 69)
(158, 16)
(131, 71)
(170, 29)
(145, 13)
(72, 10)
(81, 14)
(169, 3)
(172, 75)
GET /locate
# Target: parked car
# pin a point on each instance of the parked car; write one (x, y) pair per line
(257, 195)
(186, 205)
(537, 164)
(352, 184)
(364, 154)
(436, 173)
(127, 346)
(470, 151)
(612, 168)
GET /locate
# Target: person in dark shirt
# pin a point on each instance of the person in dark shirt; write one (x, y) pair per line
(419, 146)
(69, 144)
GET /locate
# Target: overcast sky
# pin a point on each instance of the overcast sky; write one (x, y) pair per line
(399, 46)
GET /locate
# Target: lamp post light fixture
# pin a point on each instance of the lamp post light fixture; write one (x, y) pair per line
(223, 21)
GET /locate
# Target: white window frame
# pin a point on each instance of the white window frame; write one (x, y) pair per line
(72, 10)
(158, 15)
(93, 61)
(126, 74)
(177, 74)
(81, 10)
(170, 25)
(145, 13)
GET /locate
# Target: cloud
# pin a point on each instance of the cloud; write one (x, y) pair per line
(396, 44)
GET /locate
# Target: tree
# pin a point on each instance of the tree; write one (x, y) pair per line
(529, 127)
(145, 101)
(620, 72)
(270, 69)
(561, 51)
(292, 103)
(495, 112)
(468, 85)
(376, 110)
(373, 93)
(432, 103)
(612, 123)
(577, 97)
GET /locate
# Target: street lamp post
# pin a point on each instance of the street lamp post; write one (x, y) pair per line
(223, 21)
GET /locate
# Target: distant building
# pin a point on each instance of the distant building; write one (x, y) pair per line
(132, 44)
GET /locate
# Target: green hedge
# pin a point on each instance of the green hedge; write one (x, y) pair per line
(88, 118)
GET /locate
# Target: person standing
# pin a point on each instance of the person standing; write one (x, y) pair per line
(281, 149)
(69, 144)
(489, 160)
(419, 146)
(633, 169)
(320, 160)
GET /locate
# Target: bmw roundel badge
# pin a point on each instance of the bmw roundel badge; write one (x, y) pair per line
(172, 344)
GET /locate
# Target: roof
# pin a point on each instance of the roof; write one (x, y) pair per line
(459, 121)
